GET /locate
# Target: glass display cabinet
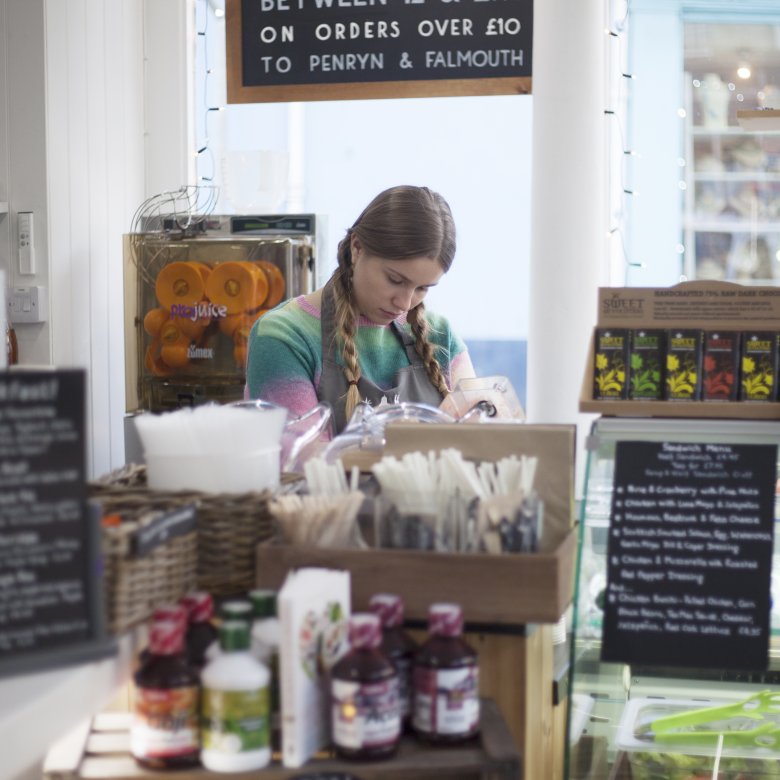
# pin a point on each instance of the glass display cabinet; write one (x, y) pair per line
(645, 721)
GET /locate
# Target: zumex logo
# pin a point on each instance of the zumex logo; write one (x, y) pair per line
(200, 353)
(618, 305)
(198, 311)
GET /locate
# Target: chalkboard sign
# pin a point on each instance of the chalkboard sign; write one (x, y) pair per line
(50, 596)
(283, 50)
(689, 555)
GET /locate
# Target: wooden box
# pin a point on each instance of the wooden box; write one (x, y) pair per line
(708, 305)
(511, 589)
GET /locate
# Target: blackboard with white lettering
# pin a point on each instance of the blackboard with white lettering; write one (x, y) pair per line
(690, 554)
(50, 597)
(345, 49)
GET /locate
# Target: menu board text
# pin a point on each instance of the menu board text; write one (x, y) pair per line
(44, 599)
(318, 42)
(689, 555)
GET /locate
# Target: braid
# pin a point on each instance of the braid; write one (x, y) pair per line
(417, 319)
(346, 317)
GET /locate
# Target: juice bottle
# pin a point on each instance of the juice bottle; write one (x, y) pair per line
(397, 645)
(366, 718)
(164, 733)
(266, 636)
(446, 680)
(235, 705)
(201, 632)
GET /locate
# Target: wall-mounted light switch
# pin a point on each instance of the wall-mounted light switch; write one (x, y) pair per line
(27, 304)
(26, 242)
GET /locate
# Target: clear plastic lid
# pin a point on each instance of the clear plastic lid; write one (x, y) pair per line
(486, 399)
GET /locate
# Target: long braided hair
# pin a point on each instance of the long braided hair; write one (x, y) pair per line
(401, 222)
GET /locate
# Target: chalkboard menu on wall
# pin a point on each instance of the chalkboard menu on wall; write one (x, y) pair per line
(689, 555)
(50, 605)
(282, 50)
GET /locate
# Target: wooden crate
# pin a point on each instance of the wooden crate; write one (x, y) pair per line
(102, 751)
(510, 589)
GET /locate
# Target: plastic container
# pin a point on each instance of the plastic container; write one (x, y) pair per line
(651, 757)
(446, 680)
(366, 718)
(235, 705)
(397, 645)
(164, 732)
(230, 473)
(236, 609)
(265, 637)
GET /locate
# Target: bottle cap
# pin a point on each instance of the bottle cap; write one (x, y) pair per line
(234, 635)
(166, 637)
(263, 602)
(389, 608)
(445, 619)
(200, 606)
(175, 612)
(236, 609)
(365, 630)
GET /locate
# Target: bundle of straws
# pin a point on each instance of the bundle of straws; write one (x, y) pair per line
(327, 516)
(434, 502)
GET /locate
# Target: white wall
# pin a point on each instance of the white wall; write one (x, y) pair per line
(94, 142)
(76, 130)
(23, 152)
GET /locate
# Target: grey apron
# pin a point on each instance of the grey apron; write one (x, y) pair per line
(413, 382)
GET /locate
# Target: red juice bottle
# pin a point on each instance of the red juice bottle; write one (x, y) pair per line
(445, 680)
(366, 719)
(397, 645)
(201, 631)
(165, 730)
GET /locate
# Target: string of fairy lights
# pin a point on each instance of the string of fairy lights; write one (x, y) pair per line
(205, 159)
(619, 190)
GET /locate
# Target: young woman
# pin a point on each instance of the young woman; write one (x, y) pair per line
(366, 335)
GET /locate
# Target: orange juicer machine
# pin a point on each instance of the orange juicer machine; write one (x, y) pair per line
(192, 296)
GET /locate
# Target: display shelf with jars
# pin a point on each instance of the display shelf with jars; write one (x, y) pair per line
(617, 706)
(731, 204)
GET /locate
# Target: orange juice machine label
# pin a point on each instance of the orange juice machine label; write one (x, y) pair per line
(758, 382)
(646, 365)
(610, 364)
(201, 315)
(720, 366)
(683, 365)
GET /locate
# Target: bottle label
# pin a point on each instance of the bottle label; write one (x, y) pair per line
(165, 722)
(365, 715)
(235, 721)
(446, 701)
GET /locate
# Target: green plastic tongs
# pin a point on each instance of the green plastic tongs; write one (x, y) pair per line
(754, 721)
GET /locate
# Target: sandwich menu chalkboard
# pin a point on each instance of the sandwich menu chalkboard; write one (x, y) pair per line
(689, 555)
(323, 49)
(50, 606)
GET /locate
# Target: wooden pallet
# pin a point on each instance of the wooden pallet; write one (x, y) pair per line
(99, 750)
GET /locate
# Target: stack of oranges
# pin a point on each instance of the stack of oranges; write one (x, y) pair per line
(193, 296)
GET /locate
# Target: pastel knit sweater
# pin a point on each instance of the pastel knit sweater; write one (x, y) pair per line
(285, 353)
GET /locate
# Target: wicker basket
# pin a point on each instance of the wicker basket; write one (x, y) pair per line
(136, 582)
(222, 555)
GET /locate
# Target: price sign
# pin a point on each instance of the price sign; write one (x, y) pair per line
(340, 49)
(689, 555)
